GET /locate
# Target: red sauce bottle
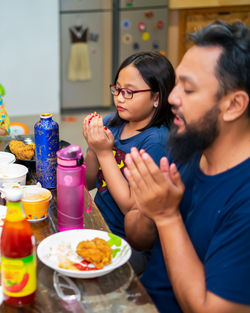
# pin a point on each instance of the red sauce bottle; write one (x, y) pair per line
(18, 258)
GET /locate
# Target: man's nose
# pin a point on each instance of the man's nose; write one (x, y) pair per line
(173, 97)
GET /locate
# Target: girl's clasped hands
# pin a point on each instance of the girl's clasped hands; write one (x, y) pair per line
(98, 136)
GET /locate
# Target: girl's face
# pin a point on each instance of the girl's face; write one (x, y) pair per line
(140, 109)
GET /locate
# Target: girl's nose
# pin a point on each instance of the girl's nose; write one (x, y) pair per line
(120, 97)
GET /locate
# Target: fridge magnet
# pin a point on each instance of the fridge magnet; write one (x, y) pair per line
(136, 46)
(159, 25)
(127, 39)
(141, 26)
(149, 14)
(155, 45)
(79, 64)
(93, 37)
(126, 24)
(145, 36)
(129, 3)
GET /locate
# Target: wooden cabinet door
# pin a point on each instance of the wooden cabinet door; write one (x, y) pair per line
(191, 20)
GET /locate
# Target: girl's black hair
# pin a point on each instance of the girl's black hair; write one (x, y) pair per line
(158, 73)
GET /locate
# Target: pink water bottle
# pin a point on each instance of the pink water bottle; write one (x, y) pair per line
(70, 188)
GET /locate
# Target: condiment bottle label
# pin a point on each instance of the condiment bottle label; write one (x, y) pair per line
(18, 276)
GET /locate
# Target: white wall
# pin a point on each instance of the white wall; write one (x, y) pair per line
(29, 56)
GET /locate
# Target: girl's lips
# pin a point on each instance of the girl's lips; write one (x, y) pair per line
(120, 108)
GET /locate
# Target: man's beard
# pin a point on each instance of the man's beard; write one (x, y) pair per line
(196, 138)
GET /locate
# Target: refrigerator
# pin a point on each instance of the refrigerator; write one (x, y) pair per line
(86, 54)
(138, 25)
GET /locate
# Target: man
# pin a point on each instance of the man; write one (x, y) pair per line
(196, 215)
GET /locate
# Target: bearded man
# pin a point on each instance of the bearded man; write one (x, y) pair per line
(195, 212)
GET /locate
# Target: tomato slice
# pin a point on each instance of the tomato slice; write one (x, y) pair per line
(84, 266)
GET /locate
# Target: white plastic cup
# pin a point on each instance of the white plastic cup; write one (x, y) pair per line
(13, 174)
(7, 157)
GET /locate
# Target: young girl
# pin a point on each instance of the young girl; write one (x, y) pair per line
(140, 90)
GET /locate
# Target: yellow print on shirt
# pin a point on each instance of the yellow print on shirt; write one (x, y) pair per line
(119, 157)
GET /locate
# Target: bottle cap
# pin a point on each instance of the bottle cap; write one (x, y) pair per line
(12, 194)
(45, 115)
(70, 156)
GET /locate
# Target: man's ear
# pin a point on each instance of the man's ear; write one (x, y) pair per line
(236, 106)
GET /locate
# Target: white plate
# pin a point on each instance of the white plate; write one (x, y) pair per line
(47, 249)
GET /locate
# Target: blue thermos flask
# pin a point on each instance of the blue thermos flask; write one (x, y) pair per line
(47, 144)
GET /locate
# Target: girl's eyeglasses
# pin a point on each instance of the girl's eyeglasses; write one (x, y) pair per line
(126, 93)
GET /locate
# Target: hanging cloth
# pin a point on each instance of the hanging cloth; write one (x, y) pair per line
(79, 64)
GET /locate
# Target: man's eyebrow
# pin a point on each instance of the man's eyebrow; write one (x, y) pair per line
(185, 78)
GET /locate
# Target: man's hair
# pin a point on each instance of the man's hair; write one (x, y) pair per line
(233, 66)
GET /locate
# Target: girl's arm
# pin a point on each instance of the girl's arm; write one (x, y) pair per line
(101, 142)
(116, 182)
(91, 161)
(141, 238)
(92, 166)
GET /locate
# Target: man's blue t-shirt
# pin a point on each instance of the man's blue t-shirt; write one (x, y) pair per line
(153, 140)
(216, 213)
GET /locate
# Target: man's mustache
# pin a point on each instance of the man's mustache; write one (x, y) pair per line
(176, 111)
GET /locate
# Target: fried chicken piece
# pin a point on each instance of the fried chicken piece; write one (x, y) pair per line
(33, 146)
(96, 251)
(21, 150)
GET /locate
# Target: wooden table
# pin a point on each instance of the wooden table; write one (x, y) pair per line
(117, 292)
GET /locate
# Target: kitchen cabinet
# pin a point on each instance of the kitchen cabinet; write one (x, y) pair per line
(193, 19)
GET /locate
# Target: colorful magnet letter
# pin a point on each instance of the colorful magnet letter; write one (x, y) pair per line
(160, 24)
(155, 45)
(141, 26)
(129, 3)
(126, 24)
(145, 36)
(136, 46)
(149, 14)
(127, 39)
